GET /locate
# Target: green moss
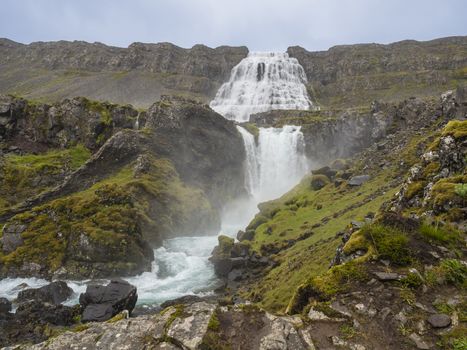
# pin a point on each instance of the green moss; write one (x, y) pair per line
(461, 190)
(319, 181)
(454, 272)
(389, 243)
(214, 324)
(24, 176)
(412, 280)
(456, 129)
(414, 188)
(118, 317)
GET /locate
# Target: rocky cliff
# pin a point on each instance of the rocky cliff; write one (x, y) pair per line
(357, 74)
(138, 74)
(350, 75)
(86, 193)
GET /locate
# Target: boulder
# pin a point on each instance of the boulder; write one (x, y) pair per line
(101, 303)
(186, 300)
(358, 180)
(439, 321)
(247, 235)
(319, 181)
(327, 171)
(54, 293)
(36, 311)
(5, 306)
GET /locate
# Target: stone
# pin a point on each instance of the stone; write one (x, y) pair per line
(189, 331)
(101, 303)
(5, 306)
(419, 342)
(387, 276)
(54, 293)
(439, 321)
(11, 237)
(358, 180)
(318, 182)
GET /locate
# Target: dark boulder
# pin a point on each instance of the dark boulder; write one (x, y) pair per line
(41, 312)
(5, 306)
(101, 303)
(54, 293)
(319, 181)
(330, 173)
(439, 321)
(247, 235)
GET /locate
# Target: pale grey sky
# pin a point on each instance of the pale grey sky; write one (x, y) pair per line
(258, 24)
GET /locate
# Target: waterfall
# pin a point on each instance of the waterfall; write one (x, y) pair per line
(261, 82)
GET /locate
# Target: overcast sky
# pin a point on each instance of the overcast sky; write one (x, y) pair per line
(258, 24)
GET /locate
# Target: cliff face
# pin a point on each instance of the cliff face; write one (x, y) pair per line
(342, 76)
(138, 74)
(357, 74)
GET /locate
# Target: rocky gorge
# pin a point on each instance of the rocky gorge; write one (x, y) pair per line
(364, 250)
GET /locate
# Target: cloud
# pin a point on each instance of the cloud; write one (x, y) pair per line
(258, 24)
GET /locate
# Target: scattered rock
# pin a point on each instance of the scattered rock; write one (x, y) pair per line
(358, 180)
(53, 293)
(319, 181)
(101, 303)
(439, 320)
(387, 276)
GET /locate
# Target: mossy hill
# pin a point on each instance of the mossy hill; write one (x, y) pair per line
(73, 207)
(385, 254)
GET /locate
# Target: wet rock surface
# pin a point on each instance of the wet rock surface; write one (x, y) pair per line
(53, 293)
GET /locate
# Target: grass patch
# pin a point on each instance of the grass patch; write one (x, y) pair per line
(389, 243)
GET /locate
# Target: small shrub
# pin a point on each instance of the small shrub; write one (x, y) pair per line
(412, 280)
(461, 190)
(455, 271)
(390, 243)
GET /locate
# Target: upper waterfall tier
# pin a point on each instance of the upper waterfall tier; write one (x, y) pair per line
(261, 82)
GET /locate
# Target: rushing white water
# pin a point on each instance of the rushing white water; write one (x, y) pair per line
(261, 82)
(274, 163)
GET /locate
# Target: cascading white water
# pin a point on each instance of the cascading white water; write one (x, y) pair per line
(261, 82)
(274, 164)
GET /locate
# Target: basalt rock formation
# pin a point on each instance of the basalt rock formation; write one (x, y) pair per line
(354, 75)
(139, 74)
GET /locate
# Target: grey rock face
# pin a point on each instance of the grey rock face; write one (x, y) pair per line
(358, 180)
(11, 237)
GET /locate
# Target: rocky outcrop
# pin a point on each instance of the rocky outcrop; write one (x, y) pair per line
(138, 74)
(206, 149)
(197, 326)
(101, 303)
(32, 127)
(357, 74)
